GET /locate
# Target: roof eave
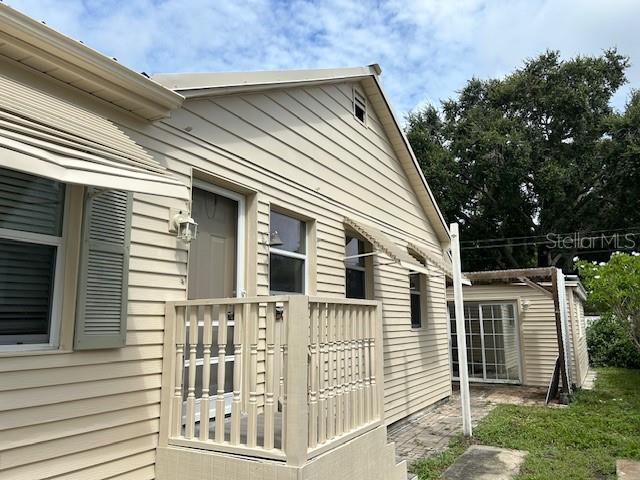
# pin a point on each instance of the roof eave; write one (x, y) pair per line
(42, 44)
(440, 226)
(221, 83)
(256, 87)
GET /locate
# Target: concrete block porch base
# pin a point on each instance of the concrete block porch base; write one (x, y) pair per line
(368, 456)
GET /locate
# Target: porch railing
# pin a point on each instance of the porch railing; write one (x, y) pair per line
(282, 377)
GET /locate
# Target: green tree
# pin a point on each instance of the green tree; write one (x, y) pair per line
(620, 154)
(529, 154)
(613, 289)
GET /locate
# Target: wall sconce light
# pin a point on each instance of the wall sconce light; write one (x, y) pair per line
(271, 239)
(525, 305)
(184, 226)
(274, 239)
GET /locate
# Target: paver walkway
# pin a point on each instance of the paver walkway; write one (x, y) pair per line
(486, 463)
(429, 432)
(590, 380)
(628, 469)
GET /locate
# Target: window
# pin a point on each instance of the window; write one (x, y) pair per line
(31, 257)
(359, 106)
(288, 254)
(358, 272)
(417, 293)
(416, 299)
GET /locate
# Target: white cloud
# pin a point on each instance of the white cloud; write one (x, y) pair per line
(427, 48)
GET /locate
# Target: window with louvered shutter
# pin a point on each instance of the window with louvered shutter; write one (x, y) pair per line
(101, 318)
(31, 251)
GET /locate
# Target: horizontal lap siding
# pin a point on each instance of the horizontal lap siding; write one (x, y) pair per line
(323, 164)
(95, 414)
(538, 339)
(416, 361)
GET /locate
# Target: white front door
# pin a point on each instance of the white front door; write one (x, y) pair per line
(215, 271)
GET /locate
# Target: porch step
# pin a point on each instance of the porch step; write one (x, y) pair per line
(400, 471)
(390, 452)
(397, 471)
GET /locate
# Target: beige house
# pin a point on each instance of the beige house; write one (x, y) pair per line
(307, 314)
(513, 330)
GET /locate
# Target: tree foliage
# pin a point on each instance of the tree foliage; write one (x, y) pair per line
(538, 151)
(613, 289)
(609, 345)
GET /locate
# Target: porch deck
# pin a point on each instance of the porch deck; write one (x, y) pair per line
(307, 375)
(244, 429)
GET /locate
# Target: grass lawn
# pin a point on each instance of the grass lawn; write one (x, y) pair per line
(580, 442)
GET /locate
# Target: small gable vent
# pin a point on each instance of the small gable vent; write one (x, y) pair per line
(359, 106)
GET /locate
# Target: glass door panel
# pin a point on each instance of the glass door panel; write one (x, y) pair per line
(492, 342)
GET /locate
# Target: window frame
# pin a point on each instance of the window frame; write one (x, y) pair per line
(368, 264)
(57, 297)
(421, 292)
(286, 253)
(418, 293)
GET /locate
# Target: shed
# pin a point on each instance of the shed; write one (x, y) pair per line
(515, 334)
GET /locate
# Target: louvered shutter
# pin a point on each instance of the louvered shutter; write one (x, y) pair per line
(101, 319)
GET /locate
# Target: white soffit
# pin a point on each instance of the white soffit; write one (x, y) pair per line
(385, 245)
(46, 136)
(219, 83)
(39, 47)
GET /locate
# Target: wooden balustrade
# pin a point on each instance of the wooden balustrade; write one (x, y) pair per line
(284, 377)
(344, 371)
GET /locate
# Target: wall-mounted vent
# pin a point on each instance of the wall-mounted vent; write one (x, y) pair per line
(359, 106)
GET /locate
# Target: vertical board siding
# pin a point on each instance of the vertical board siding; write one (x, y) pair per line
(96, 412)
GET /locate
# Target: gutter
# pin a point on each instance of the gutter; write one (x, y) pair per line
(41, 41)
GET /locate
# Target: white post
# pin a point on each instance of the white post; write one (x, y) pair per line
(460, 331)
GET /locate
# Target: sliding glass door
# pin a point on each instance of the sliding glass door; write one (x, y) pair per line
(493, 346)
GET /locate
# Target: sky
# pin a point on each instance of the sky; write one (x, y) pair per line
(427, 49)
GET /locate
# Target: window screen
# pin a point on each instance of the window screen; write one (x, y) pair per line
(31, 211)
(416, 287)
(416, 309)
(288, 247)
(355, 269)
